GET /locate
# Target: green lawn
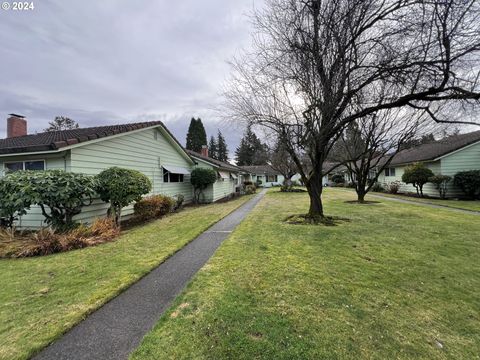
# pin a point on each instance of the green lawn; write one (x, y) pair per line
(398, 281)
(458, 204)
(42, 297)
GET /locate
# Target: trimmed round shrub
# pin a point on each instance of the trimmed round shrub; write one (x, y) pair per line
(417, 175)
(153, 207)
(250, 189)
(378, 187)
(200, 179)
(468, 182)
(121, 187)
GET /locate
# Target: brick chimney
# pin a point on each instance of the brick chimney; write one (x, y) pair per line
(16, 126)
(204, 151)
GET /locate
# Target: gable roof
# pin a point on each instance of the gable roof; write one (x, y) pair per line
(214, 162)
(436, 149)
(261, 169)
(55, 140)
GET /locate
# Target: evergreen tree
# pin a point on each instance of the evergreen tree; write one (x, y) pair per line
(212, 148)
(61, 123)
(251, 150)
(222, 147)
(196, 135)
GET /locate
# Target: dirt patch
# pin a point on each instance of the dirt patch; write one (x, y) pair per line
(362, 203)
(305, 219)
(179, 309)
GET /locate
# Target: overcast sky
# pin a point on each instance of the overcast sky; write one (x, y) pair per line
(117, 61)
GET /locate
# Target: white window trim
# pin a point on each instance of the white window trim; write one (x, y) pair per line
(24, 161)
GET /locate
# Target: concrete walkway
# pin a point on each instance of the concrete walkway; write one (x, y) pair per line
(116, 329)
(405, 201)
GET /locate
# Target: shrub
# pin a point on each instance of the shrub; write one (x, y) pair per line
(350, 185)
(468, 182)
(15, 198)
(441, 182)
(120, 187)
(200, 179)
(153, 207)
(378, 187)
(338, 179)
(250, 189)
(393, 187)
(61, 195)
(417, 175)
(179, 199)
(246, 183)
(259, 182)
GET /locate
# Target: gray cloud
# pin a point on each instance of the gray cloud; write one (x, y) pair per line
(103, 62)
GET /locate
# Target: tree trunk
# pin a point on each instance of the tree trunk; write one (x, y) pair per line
(361, 196)
(315, 188)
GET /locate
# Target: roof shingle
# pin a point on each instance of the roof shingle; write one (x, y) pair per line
(436, 149)
(53, 140)
(218, 163)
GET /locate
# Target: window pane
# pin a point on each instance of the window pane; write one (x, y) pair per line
(176, 177)
(165, 175)
(15, 166)
(34, 165)
(392, 171)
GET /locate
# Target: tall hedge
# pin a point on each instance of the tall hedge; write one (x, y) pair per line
(61, 195)
(469, 182)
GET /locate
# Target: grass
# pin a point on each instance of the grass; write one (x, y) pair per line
(397, 281)
(42, 297)
(457, 204)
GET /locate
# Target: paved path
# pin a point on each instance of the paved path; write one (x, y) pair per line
(116, 329)
(445, 207)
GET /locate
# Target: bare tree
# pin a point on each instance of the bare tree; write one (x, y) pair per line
(61, 123)
(369, 144)
(318, 66)
(281, 161)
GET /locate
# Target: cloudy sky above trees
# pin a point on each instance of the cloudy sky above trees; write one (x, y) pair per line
(106, 62)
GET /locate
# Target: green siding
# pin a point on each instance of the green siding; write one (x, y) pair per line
(428, 189)
(34, 218)
(467, 158)
(221, 188)
(145, 150)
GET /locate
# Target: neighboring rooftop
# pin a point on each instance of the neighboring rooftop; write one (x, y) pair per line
(220, 164)
(54, 140)
(436, 149)
(261, 169)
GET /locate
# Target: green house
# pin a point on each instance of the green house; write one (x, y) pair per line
(447, 156)
(147, 147)
(229, 177)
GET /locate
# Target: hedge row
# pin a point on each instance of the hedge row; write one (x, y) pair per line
(62, 195)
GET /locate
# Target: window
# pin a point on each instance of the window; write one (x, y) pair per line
(25, 165)
(389, 171)
(171, 177)
(271, 178)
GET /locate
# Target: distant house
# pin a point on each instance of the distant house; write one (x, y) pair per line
(264, 175)
(229, 177)
(147, 147)
(447, 156)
